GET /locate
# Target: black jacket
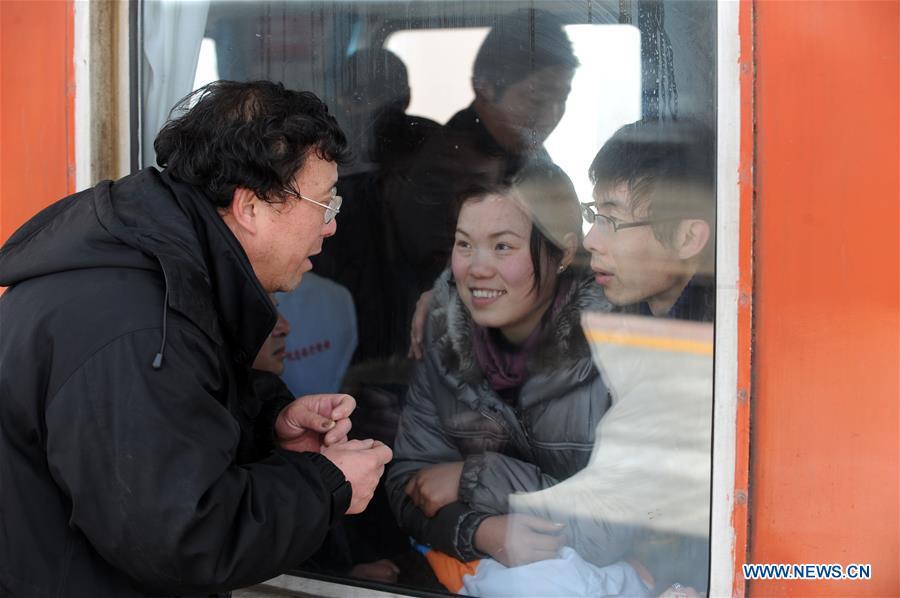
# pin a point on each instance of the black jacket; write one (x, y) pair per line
(118, 478)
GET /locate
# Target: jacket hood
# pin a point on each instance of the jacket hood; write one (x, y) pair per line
(69, 235)
(169, 227)
(562, 346)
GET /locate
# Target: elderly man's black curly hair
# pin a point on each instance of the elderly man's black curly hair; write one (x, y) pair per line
(255, 135)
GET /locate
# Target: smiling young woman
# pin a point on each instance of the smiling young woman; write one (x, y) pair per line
(507, 398)
(491, 264)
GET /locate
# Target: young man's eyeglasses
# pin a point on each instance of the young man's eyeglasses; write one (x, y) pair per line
(332, 208)
(608, 224)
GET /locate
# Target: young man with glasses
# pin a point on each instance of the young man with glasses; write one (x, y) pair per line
(653, 219)
(651, 243)
(135, 456)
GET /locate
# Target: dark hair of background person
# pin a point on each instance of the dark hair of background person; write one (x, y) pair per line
(255, 135)
(548, 196)
(668, 166)
(374, 96)
(519, 44)
(376, 78)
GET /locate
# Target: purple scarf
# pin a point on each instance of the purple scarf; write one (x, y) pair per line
(504, 366)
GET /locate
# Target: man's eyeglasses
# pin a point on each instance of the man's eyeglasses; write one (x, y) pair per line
(608, 224)
(332, 208)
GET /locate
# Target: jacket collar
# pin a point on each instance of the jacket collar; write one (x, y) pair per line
(561, 347)
(208, 275)
(244, 308)
(697, 302)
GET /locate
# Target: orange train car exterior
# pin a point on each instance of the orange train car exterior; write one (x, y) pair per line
(824, 415)
(37, 91)
(818, 422)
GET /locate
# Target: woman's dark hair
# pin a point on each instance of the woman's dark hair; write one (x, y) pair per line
(547, 195)
(255, 135)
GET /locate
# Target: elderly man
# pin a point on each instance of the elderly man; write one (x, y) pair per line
(135, 459)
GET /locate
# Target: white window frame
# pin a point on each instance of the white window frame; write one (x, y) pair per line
(722, 539)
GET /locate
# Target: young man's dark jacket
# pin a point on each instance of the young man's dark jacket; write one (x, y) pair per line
(134, 460)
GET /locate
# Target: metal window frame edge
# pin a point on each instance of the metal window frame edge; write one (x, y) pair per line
(726, 434)
(106, 101)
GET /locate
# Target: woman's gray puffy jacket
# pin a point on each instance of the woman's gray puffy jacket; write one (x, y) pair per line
(452, 414)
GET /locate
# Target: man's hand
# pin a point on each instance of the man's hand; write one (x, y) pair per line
(417, 326)
(314, 421)
(435, 487)
(515, 540)
(362, 462)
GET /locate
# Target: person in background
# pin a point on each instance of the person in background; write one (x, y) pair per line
(318, 351)
(336, 552)
(373, 99)
(272, 354)
(141, 461)
(521, 77)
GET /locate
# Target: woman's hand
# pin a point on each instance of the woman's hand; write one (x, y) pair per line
(435, 487)
(515, 540)
(417, 326)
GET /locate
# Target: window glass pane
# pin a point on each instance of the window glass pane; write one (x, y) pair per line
(535, 181)
(605, 93)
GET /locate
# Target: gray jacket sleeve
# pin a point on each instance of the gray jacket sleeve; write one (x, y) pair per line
(600, 541)
(488, 479)
(420, 442)
(594, 537)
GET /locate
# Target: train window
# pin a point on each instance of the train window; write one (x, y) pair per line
(614, 85)
(534, 182)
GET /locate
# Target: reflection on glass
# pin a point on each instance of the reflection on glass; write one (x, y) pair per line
(651, 246)
(551, 411)
(649, 472)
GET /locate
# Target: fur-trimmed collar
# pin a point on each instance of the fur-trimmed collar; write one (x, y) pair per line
(562, 340)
